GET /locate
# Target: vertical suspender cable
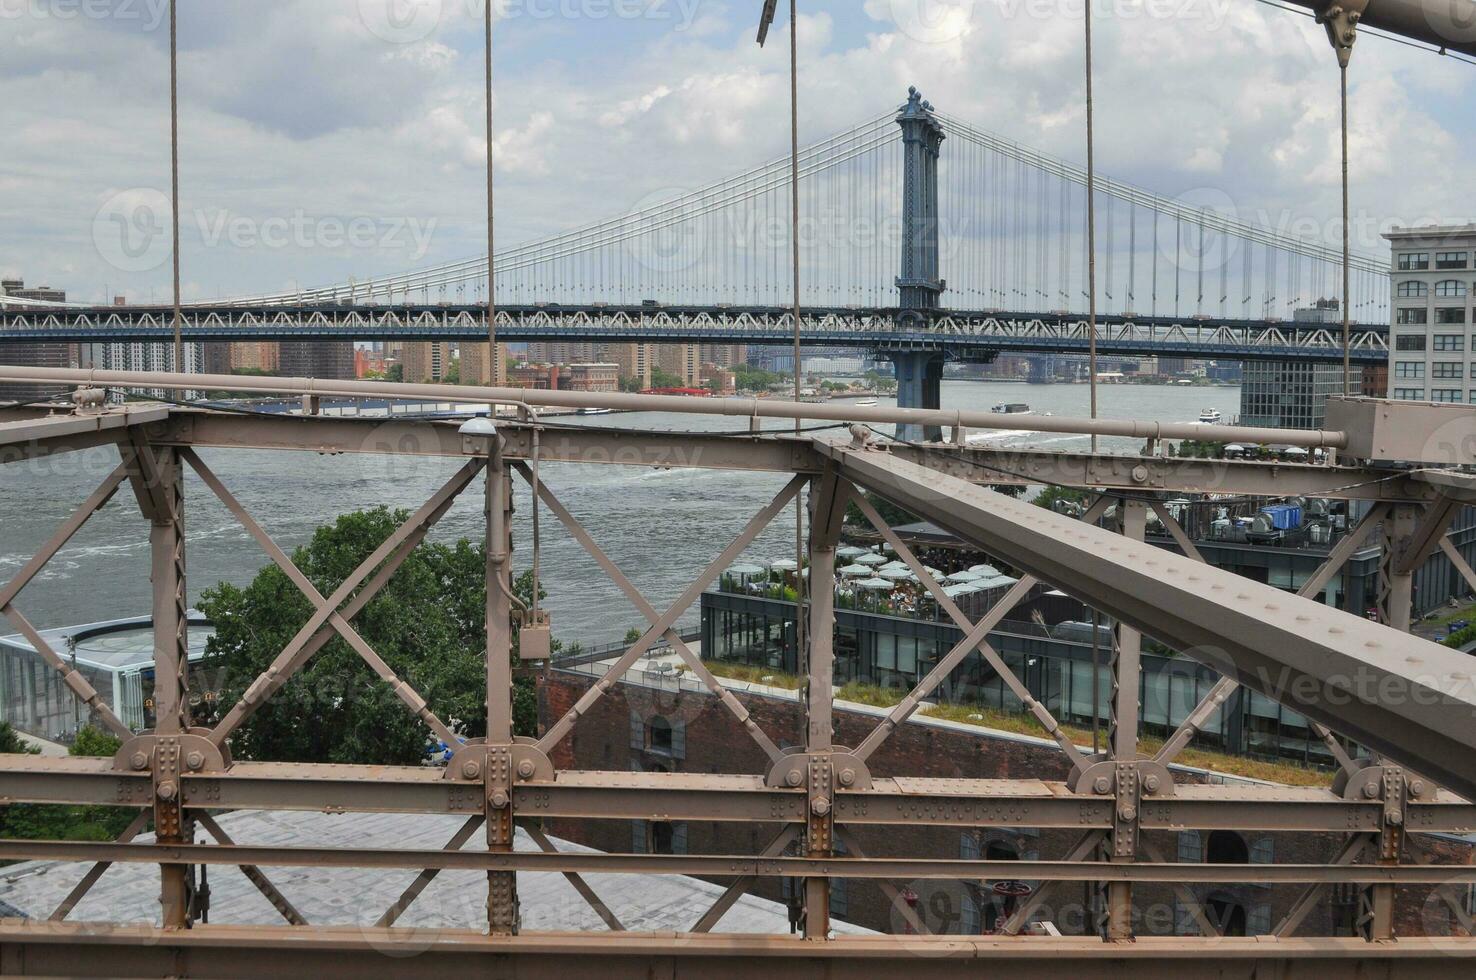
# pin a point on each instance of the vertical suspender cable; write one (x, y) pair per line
(799, 507)
(492, 359)
(1347, 313)
(1091, 191)
(179, 364)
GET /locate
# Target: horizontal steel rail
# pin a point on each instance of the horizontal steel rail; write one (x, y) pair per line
(750, 408)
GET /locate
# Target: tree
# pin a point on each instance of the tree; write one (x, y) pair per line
(12, 744)
(395, 373)
(894, 516)
(665, 379)
(427, 624)
(1050, 496)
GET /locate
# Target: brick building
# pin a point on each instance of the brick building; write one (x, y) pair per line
(653, 727)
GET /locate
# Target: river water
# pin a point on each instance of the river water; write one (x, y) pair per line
(660, 527)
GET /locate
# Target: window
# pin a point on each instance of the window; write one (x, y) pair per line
(1410, 342)
(1448, 371)
(1413, 316)
(1409, 394)
(1450, 260)
(1414, 261)
(1449, 287)
(1445, 395)
(1450, 314)
(1449, 342)
(1409, 370)
(1413, 287)
(1191, 850)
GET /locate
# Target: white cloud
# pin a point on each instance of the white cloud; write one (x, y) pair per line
(296, 105)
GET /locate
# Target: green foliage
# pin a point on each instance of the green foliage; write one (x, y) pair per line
(1461, 637)
(749, 378)
(633, 636)
(427, 624)
(894, 516)
(12, 744)
(1198, 449)
(665, 379)
(395, 373)
(1048, 497)
(29, 821)
(95, 742)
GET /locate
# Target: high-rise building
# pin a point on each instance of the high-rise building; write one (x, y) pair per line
(682, 360)
(426, 362)
(1291, 394)
(256, 355)
(49, 355)
(475, 369)
(328, 360)
(564, 353)
(1430, 341)
(634, 361)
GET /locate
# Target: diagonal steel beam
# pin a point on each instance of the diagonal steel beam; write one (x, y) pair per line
(382, 563)
(407, 694)
(422, 880)
(1458, 560)
(69, 674)
(1176, 531)
(253, 874)
(95, 502)
(97, 870)
(580, 885)
(580, 534)
(944, 667)
(1402, 696)
(1227, 686)
(740, 886)
(1428, 534)
(611, 677)
(1353, 850)
(1184, 895)
(144, 473)
(888, 889)
(1021, 918)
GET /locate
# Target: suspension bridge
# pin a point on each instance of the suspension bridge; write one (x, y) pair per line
(883, 220)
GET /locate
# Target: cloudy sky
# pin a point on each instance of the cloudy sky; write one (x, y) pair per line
(329, 139)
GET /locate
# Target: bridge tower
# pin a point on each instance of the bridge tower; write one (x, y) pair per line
(919, 371)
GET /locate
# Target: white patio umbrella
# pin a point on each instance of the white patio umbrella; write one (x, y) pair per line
(897, 575)
(874, 585)
(784, 565)
(850, 552)
(989, 570)
(871, 559)
(855, 571)
(959, 578)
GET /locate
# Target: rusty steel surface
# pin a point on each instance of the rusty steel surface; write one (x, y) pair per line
(180, 774)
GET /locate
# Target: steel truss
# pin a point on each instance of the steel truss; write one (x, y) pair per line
(179, 772)
(962, 332)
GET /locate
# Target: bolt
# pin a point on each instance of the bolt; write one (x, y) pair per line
(1417, 788)
(195, 760)
(1127, 811)
(526, 769)
(499, 799)
(167, 790)
(847, 777)
(1370, 789)
(820, 807)
(1102, 785)
(1140, 474)
(139, 760)
(470, 769)
(1150, 783)
(793, 777)
(1396, 817)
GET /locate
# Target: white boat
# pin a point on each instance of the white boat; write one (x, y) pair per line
(596, 411)
(1211, 416)
(866, 403)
